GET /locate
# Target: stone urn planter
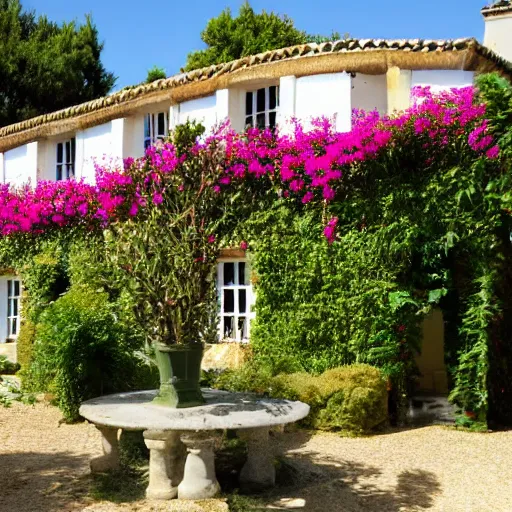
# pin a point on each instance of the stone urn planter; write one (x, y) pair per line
(180, 371)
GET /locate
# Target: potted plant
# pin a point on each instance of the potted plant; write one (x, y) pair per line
(166, 248)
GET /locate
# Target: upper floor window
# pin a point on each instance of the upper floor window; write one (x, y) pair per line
(66, 159)
(13, 307)
(235, 299)
(156, 126)
(261, 107)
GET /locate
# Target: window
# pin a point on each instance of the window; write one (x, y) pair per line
(235, 300)
(261, 107)
(156, 126)
(66, 159)
(13, 307)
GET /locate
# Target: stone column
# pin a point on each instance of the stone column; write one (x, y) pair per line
(110, 458)
(258, 472)
(166, 455)
(199, 480)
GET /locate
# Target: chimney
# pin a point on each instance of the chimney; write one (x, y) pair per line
(498, 28)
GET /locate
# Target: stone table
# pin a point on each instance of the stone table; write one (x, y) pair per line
(180, 441)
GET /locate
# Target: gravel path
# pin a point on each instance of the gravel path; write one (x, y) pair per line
(44, 468)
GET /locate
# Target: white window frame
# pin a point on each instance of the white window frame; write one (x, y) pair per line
(239, 336)
(267, 111)
(13, 304)
(67, 163)
(152, 133)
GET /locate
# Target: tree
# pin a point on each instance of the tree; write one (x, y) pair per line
(229, 38)
(155, 73)
(45, 66)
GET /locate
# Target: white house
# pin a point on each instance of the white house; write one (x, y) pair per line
(267, 89)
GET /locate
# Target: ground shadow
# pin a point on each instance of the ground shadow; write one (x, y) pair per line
(41, 482)
(332, 484)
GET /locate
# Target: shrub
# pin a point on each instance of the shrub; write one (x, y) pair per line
(6, 367)
(82, 350)
(25, 344)
(352, 399)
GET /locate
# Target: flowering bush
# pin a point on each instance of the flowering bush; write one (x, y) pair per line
(315, 165)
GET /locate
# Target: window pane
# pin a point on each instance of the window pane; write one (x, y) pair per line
(248, 104)
(71, 171)
(242, 301)
(272, 102)
(60, 150)
(9, 288)
(248, 122)
(272, 120)
(15, 307)
(14, 326)
(229, 273)
(241, 273)
(9, 327)
(73, 150)
(260, 121)
(9, 307)
(147, 131)
(228, 327)
(260, 100)
(68, 151)
(17, 288)
(229, 301)
(161, 124)
(242, 327)
(59, 172)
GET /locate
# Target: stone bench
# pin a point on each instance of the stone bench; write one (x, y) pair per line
(180, 441)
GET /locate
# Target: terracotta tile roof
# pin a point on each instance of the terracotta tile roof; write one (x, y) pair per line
(359, 49)
(497, 8)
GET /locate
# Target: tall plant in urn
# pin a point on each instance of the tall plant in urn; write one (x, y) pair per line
(166, 247)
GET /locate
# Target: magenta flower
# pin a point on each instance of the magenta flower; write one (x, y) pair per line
(244, 245)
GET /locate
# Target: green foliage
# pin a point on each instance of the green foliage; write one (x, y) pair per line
(229, 38)
(321, 306)
(166, 255)
(155, 73)
(352, 399)
(7, 367)
(81, 350)
(45, 66)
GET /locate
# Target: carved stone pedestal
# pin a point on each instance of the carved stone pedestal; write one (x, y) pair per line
(258, 472)
(166, 460)
(199, 480)
(110, 458)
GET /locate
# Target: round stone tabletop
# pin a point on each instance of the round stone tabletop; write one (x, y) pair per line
(134, 411)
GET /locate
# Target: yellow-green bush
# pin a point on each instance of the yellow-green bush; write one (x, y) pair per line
(352, 399)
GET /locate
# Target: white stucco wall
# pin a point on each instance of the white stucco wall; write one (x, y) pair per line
(324, 95)
(441, 80)
(133, 136)
(369, 92)
(47, 159)
(498, 35)
(20, 165)
(102, 143)
(202, 110)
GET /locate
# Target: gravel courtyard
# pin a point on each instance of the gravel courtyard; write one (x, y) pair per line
(44, 468)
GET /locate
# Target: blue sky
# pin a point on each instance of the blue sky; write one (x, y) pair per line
(139, 34)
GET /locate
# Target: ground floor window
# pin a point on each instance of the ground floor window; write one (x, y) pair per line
(235, 296)
(13, 307)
